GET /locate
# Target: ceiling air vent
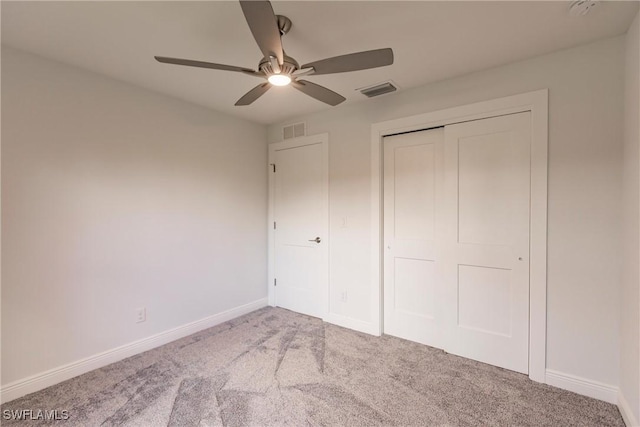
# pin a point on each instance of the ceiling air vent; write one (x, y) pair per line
(379, 89)
(294, 131)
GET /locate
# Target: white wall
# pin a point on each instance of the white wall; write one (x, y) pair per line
(630, 324)
(585, 161)
(115, 198)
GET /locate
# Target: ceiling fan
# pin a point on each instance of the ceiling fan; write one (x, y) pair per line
(278, 68)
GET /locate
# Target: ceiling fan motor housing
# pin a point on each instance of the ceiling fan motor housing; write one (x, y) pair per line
(288, 66)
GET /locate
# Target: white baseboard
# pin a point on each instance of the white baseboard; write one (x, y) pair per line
(355, 324)
(583, 386)
(53, 376)
(627, 415)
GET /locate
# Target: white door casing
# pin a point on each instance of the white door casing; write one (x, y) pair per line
(412, 194)
(486, 242)
(298, 215)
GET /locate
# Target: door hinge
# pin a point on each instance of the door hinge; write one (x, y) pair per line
(274, 167)
(275, 282)
(274, 225)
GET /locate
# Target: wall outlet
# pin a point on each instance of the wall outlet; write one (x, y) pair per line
(343, 296)
(141, 314)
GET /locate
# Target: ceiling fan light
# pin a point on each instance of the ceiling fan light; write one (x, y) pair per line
(279, 79)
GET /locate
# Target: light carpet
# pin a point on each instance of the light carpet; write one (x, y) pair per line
(274, 367)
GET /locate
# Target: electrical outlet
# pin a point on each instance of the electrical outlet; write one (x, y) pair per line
(141, 315)
(343, 296)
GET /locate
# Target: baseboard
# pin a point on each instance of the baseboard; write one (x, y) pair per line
(625, 410)
(350, 323)
(583, 386)
(48, 378)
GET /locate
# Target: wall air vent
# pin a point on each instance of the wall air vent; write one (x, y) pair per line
(379, 89)
(294, 131)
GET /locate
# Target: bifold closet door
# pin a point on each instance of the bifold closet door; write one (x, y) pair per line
(412, 193)
(456, 238)
(486, 242)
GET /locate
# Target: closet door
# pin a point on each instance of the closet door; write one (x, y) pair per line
(486, 243)
(412, 193)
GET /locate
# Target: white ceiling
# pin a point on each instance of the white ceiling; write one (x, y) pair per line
(431, 41)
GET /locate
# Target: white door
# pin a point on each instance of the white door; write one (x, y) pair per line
(412, 189)
(486, 247)
(300, 214)
(456, 239)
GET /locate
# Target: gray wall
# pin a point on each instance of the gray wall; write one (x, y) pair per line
(585, 197)
(115, 198)
(630, 325)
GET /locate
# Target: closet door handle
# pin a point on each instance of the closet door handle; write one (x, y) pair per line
(317, 240)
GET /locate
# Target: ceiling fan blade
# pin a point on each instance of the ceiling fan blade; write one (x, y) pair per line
(254, 94)
(264, 27)
(352, 62)
(201, 64)
(318, 92)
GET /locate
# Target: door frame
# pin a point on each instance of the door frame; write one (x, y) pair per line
(323, 139)
(537, 103)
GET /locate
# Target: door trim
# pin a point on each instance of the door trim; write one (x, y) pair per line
(323, 139)
(537, 103)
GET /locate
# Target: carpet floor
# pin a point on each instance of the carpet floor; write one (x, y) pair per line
(275, 367)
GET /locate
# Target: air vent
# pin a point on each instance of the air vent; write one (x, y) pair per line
(294, 131)
(379, 89)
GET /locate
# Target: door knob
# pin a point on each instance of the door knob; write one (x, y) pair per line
(317, 240)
